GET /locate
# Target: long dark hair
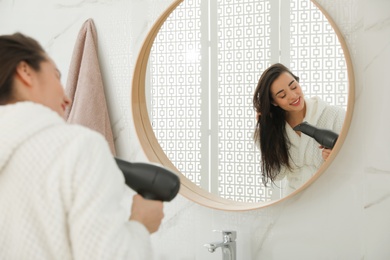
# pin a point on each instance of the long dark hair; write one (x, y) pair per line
(14, 49)
(270, 131)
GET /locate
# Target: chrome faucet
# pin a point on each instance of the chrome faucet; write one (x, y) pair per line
(228, 245)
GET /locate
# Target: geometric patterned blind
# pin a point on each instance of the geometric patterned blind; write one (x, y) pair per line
(204, 67)
(176, 88)
(316, 54)
(243, 52)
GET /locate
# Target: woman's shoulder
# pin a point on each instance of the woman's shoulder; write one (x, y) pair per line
(70, 141)
(322, 106)
(316, 101)
(76, 133)
(332, 117)
(333, 110)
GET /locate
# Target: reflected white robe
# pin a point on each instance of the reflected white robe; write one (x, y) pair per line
(61, 192)
(305, 155)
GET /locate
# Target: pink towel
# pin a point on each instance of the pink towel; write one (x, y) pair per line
(85, 86)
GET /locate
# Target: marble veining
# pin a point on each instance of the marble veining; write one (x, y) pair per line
(60, 33)
(118, 127)
(378, 55)
(379, 25)
(80, 3)
(378, 201)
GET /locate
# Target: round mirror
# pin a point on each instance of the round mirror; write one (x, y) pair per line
(194, 82)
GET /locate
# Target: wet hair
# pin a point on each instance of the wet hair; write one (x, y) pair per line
(14, 49)
(270, 131)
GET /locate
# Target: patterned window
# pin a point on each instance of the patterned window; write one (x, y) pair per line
(203, 69)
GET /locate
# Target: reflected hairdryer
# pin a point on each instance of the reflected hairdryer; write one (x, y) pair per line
(324, 137)
(149, 180)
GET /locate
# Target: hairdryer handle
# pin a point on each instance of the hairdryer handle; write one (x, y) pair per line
(149, 196)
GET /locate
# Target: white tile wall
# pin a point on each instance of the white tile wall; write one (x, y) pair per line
(343, 215)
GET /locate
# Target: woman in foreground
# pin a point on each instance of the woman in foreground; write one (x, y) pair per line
(61, 191)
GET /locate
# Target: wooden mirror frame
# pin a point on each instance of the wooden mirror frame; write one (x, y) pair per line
(154, 152)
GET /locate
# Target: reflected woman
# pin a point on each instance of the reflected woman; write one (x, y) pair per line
(281, 105)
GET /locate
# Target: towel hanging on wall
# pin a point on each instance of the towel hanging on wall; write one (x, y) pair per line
(85, 86)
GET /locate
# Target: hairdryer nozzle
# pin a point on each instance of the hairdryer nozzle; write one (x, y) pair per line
(151, 181)
(324, 137)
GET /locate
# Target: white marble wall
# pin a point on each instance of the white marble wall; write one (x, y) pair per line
(343, 215)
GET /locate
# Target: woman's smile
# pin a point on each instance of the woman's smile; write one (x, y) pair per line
(296, 102)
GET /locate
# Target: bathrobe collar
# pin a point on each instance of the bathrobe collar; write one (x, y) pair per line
(19, 122)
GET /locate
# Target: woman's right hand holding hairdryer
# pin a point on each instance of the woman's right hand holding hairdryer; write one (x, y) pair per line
(148, 212)
(325, 152)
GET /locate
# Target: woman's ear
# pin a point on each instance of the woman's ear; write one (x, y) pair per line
(24, 73)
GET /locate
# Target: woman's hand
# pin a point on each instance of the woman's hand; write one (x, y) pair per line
(148, 212)
(258, 114)
(325, 152)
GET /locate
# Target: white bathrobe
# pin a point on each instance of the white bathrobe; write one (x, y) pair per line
(306, 157)
(61, 192)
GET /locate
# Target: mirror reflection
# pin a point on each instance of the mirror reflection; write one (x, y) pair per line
(202, 74)
(295, 134)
